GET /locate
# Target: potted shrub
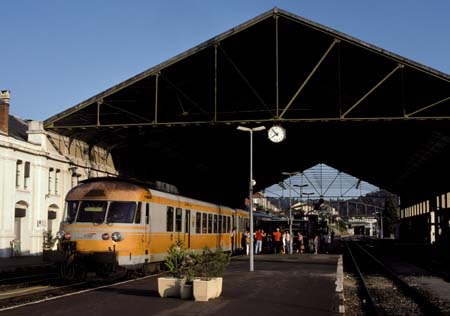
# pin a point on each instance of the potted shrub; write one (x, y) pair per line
(210, 267)
(175, 260)
(188, 275)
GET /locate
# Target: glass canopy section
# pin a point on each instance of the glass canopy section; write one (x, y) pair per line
(320, 181)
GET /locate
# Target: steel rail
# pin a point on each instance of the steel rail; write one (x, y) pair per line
(372, 309)
(425, 305)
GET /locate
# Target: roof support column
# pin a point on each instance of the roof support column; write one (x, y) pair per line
(215, 83)
(98, 111)
(156, 98)
(277, 90)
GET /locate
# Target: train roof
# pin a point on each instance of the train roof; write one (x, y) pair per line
(126, 189)
(108, 189)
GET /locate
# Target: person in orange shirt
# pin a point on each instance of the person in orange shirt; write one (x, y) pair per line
(277, 240)
(258, 237)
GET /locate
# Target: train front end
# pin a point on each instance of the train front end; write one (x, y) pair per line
(102, 235)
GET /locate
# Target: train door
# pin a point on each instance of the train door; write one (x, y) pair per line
(187, 228)
(147, 231)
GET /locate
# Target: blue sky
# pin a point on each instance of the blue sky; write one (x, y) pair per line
(58, 53)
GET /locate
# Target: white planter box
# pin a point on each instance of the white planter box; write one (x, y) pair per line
(206, 289)
(169, 287)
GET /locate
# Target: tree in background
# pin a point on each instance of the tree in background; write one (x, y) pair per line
(390, 216)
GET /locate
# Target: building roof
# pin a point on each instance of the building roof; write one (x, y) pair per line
(17, 128)
(361, 109)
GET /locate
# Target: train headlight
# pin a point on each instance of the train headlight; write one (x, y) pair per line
(116, 236)
(105, 236)
(67, 236)
(60, 235)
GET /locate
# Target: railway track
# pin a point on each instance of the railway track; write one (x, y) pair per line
(383, 291)
(28, 289)
(18, 290)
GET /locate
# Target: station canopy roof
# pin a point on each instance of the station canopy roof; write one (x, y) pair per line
(343, 102)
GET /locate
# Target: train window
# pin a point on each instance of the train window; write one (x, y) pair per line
(169, 225)
(210, 223)
(186, 222)
(220, 224)
(228, 224)
(198, 222)
(121, 212)
(138, 214)
(71, 211)
(92, 211)
(178, 219)
(215, 228)
(147, 213)
(204, 223)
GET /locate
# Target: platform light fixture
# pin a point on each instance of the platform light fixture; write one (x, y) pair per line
(251, 184)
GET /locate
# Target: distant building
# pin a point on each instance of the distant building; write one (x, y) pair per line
(363, 226)
(261, 203)
(37, 168)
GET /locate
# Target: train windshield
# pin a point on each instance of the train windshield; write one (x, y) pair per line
(92, 211)
(71, 211)
(121, 212)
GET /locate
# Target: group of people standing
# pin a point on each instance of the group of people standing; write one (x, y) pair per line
(259, 235)
(280, 242)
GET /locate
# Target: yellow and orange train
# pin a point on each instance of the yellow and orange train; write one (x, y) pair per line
(112, 226)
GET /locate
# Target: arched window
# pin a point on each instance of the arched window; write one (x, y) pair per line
(20, 212)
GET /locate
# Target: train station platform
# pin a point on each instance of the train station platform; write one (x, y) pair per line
(297, 284)
(22, 263)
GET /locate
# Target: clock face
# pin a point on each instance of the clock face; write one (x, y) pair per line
(277, 133)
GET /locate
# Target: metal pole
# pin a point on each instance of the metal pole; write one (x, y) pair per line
(251, 201)
(251, 184)
(290, 217)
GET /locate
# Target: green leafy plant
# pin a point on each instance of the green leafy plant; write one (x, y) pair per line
(211, 264)
(187, 265)
(175, 259)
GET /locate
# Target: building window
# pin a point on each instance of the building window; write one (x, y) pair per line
(18, 173)
(26, 175)
(50, 180)
(57, 178)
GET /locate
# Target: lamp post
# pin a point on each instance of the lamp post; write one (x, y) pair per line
(307, 199)
(301, 191)
(290, 174)
(252, 183)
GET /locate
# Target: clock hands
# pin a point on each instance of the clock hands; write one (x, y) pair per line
(277, 134)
